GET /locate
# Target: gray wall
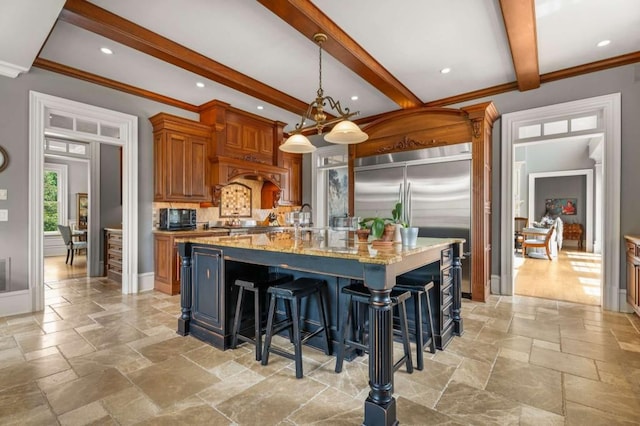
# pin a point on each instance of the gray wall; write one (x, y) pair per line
(550, 157)
(110, 190)
(14, 128)
(562, 187)
(616, 80)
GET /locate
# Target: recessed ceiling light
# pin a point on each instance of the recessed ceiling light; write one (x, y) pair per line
(354, 98)
(603, 43)
(200, 84)
(445, 70)
(260, 107)
(106, 50)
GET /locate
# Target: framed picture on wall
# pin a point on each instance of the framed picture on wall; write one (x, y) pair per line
(561, 206)
(82, 203)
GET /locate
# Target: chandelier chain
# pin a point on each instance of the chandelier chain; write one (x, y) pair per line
(320, 91)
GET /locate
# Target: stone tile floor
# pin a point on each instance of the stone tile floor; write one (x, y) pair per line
(95, 356)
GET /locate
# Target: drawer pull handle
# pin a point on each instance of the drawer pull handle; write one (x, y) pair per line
(208, 273)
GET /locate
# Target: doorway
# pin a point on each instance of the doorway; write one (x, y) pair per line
(66, 186)
(516, 128)
(59, 117)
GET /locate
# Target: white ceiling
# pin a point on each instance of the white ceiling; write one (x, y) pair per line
(412, 39)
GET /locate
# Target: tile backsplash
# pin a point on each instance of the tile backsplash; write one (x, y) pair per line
(211, 215)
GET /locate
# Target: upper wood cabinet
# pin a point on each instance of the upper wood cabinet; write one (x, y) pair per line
(249, 138)
(291, 188)
(180, 159)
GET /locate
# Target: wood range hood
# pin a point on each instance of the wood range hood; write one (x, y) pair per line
(245, 146)
(225, 170)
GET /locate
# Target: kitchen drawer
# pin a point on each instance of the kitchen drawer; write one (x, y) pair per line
(446, 316)
(446, 277)
(633, 249)
(446, 257)
(446, 294)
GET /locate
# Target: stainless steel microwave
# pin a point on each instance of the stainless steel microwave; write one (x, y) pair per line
(177, 219)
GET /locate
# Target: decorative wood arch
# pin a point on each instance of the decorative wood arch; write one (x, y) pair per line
(419, 128)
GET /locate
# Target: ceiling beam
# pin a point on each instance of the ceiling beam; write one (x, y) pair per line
(45, 64)
(520, 22)
(305, 17)
(102, 22)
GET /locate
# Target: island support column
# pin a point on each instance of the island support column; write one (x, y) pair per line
(184, 249)
(458, 329)
(380, 406)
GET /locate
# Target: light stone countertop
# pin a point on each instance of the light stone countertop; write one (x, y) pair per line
(362, 252)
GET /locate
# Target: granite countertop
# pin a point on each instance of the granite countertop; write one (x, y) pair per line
(112, 229)
(362, 252)
(186, 233)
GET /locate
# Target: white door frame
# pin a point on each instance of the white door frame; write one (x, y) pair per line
(39, 105)
(613, 298)
(588, 174)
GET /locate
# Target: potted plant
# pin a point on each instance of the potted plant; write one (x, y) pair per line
(377, 225)
(401, 216)
(363, 232)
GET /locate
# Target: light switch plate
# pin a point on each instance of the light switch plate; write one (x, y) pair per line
(3, 194)
(4, 215)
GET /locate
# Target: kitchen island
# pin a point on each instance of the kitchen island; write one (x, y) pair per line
(209, 264)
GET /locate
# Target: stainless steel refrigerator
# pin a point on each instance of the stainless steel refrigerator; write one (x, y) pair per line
(437, 184)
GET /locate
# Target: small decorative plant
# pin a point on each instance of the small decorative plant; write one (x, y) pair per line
(376, 225)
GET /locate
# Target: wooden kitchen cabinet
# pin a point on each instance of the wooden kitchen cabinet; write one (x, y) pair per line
(633, 271)
(249, 137)
(180, 159)
(291, 187)
(113, 254)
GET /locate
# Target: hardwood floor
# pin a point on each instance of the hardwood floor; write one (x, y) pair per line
(573, 276)
(56, 270)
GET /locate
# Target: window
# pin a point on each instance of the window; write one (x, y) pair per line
(331, 178)
(69, 149)
(55, 196)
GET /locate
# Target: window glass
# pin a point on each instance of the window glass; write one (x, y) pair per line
(556, 127)
(60, 121)
(584, 123)
(110, 131)
(529, 131)
(337, 192)
(77, 148)
(51, 205)
(87, 126)
(56, 146)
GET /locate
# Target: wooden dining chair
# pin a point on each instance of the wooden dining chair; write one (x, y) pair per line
(72, 246)
(519, 224)
(537, 243)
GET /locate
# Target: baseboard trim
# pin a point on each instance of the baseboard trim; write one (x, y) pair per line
(14, 303)
(623, 304)
(495, 284)
(146, 281)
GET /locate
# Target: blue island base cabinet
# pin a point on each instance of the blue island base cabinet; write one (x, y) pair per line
(208, 294)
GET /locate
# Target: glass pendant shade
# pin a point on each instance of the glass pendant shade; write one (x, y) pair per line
(346, 132)
(297, 144)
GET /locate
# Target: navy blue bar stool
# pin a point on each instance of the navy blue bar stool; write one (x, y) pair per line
(257, 285)
(420, 293)
(292, 293)
(358, 299)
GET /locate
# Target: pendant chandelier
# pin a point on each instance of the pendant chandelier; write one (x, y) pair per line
(344, 131)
